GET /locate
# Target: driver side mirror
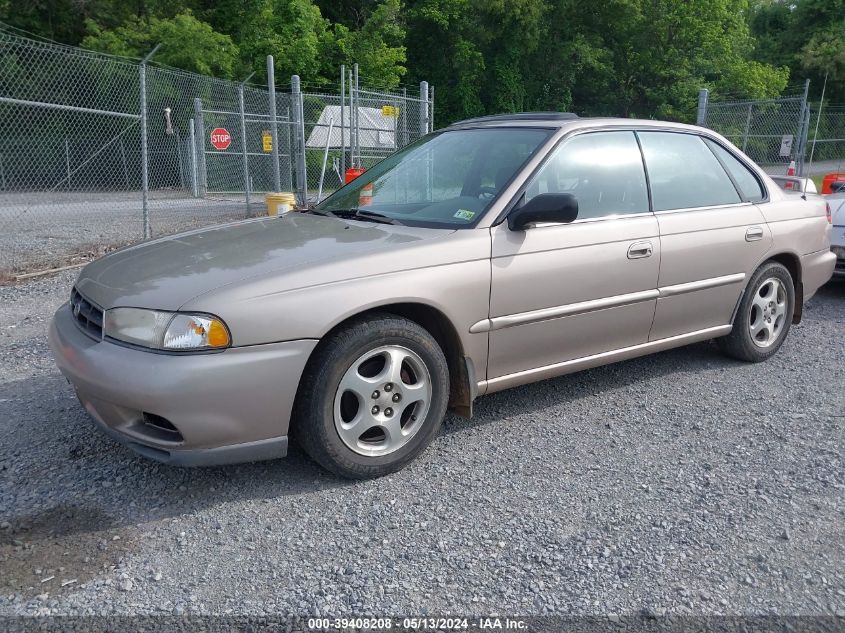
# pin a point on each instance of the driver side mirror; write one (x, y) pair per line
(560, 208)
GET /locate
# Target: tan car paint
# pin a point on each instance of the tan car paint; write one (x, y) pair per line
(563, 265)
(548, 300)
(450, 272)
(701, 245)
(168, 272)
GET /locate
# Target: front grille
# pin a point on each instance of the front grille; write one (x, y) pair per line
(88, 316)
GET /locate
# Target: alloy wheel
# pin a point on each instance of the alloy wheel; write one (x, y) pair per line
(768, 312)
(382, 400)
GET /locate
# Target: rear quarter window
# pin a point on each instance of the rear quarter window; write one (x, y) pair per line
(748, 184)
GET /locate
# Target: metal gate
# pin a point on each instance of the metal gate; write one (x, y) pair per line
(245, 164)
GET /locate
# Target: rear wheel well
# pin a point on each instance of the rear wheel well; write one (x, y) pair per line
(793, 265)
(461, 386)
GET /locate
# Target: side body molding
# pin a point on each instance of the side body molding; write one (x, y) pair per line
(583, 307)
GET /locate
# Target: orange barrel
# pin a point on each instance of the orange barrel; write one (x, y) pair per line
(829, 179)
(352, 173)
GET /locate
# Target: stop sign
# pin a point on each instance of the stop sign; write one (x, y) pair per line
(220, 138)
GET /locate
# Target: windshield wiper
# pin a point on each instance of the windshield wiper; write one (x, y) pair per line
(361, 214)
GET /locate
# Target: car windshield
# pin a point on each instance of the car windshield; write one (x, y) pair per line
(447, 179)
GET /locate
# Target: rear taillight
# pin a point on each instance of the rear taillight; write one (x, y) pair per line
(829, 214)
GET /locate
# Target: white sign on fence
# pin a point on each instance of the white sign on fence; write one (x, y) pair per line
(375, 129)
(786, 145)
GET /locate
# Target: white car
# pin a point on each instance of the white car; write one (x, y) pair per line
(837, 239)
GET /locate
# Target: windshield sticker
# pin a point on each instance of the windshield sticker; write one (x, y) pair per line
(463, 214)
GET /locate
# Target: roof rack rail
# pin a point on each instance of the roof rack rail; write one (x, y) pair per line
(521, 116)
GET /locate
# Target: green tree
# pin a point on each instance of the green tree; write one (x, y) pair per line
(377, 46)
(476, 52)
(209, 52)
(294, 32)
(807, 36)
(350, 13)
(615, 57)
(680, 47)
(619, 57)
(824, 54)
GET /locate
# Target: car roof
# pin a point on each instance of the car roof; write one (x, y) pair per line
(567, 120)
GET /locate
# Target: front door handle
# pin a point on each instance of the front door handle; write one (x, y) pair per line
(754, 233)
(638, 250)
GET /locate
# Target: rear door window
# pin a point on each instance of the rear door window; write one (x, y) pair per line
(749, 186)
(684, 173)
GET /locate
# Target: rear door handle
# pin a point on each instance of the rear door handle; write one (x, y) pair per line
(754, 233)
(638, 250)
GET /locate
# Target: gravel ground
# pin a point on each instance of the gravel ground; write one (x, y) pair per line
(679, 483)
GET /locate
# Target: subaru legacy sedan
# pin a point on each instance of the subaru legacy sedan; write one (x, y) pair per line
(496, 252)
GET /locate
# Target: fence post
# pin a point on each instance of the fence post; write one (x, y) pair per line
(397, 109)
(351, 124)
(342, 120)
(274, 124)
(423, 108)
(431, 116)
(202, 174)
(299, 140)
(747, 127)
(703, 100)
(291, 182)
(404, 114)
(193, 158)
(818, 120)
(242, 111)
(803, 129)
(145, 168)
(357, 111)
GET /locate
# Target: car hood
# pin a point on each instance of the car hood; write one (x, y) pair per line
(166, 273)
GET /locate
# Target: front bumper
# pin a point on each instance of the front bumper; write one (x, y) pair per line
(223, 407)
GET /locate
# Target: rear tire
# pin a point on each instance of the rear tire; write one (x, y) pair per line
(764, 315)
(372, 397)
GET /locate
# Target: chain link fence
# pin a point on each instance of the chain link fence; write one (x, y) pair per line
(772, 132)
(83, 171)
(827, 140)
(357, 128)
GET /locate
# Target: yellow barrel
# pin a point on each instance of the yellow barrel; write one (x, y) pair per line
(279, 202)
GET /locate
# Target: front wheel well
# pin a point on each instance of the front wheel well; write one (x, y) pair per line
(793, 264)
(462, 388)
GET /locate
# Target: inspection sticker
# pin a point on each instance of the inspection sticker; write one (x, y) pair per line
(463, 214)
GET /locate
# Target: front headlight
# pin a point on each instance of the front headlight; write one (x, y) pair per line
(166, 330)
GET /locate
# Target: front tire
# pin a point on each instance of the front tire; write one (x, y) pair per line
(372, 397)
(764, 315)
